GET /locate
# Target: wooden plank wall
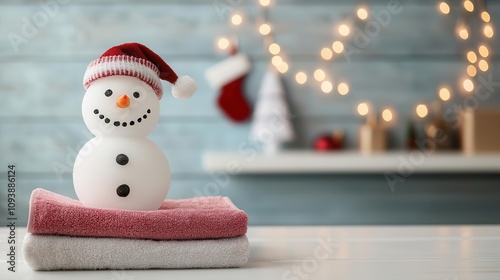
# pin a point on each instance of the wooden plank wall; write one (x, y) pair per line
(41, 93)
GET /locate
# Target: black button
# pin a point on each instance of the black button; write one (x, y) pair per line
(106, 120)
(96, 111)
(123, 190)
(117, 123)
(121, 159)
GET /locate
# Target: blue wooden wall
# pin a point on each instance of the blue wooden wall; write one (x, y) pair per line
(41, 92)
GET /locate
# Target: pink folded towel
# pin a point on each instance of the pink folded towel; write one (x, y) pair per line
(194, 218)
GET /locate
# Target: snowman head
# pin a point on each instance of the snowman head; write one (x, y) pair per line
(120, 106)
(124, 88)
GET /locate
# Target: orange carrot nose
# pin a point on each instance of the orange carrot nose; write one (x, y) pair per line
(123, 101)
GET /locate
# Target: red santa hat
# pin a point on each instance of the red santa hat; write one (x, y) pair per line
(136, 60)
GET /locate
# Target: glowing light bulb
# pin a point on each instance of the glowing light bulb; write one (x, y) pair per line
(444, 94)
(236, 19)
(471, 57)
(343, 89)
(471, 70)
(301, 78)
(264, 3)
(483, 51)
(463, 33)
(326, 53)
(421, 110)
(319, 75)
(363, 109)
(338, 47)
(387, 115)
(265, 29)
(344, 30)
(468, 5)
(468, 85)
(283, 67)
(223, 43)
(483, 65)
(276, 60)
(488, 30)
(485, 16)
(326, 86)
(274, 49)
(444, 8)
(362, 13)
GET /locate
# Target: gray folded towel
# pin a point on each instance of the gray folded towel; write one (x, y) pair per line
(53, 252)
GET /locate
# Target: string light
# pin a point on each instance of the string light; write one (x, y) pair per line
(343, 88)
(471, 57)
(463, 32)
(236, 19)
(274, 49)
(344, 30)
(387, 115)
(488, 30)
(326, 86)
(326, 53)
(485, 16)
(468, 5)
(363, 109)
(338, 47)
(471, 70)
(264, 3)
(444, 8)
(283, 67)
(468, 85)
(319, 75)
(483, 65)
(444, 94)
(362, 13)
(276, 60)
(483, 51)
(223, 43)
(301, 78)
(421, 110)
(265, 29)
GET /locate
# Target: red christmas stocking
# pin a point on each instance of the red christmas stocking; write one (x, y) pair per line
(228, 76)
(232, 101)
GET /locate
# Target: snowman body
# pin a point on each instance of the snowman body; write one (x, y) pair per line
(120, 167)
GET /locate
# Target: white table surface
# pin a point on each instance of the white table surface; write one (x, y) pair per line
(355, 252)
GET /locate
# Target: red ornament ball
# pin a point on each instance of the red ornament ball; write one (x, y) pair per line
(324, 143)
(328, 142)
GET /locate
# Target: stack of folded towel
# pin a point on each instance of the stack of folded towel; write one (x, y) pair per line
(204, 232)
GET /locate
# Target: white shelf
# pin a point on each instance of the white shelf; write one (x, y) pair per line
(353, 162)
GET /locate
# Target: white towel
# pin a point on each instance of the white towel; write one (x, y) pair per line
(53, 252)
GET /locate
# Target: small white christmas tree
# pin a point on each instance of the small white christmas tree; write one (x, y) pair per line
(271, 119)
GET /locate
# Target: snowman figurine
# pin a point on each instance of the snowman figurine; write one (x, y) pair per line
(120, 168)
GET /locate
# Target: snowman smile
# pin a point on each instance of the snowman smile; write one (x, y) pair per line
(118, 123)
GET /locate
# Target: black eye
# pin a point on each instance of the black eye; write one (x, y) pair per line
(108, 93)
(136, 94)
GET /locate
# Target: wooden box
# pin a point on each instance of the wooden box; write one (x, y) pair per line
(372, 139)
(480, 131)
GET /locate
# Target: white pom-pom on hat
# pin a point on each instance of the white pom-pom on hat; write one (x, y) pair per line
(184, 87)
